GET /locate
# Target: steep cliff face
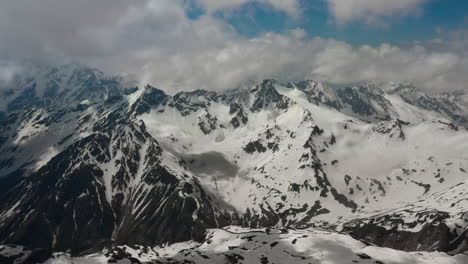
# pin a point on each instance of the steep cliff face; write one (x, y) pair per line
(114, 185)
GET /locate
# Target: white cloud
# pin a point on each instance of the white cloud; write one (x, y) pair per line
(289, 6)
(440, 70)
(157, 43)
(8, 70)
(298, 33)
(372, 11)
(227, 63)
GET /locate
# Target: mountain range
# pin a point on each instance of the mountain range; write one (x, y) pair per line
(93, 165)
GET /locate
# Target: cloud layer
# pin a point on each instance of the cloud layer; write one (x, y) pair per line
(289, 6)
(155, 42)
(372, 11)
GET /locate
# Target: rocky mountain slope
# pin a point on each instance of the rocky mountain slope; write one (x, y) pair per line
(241, 245)
(89, 161)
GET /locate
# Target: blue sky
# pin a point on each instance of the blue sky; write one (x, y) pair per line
(253, 19)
